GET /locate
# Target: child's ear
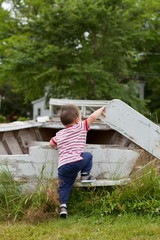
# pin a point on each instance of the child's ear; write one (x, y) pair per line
(77, 120)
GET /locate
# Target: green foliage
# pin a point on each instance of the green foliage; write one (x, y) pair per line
(22, 119)
(12, 103)
(11, 197)
(2, 119)
(92, 53)
(94, 227)
(32, 203)
(146, 18)
(140, 196)
(40, 201)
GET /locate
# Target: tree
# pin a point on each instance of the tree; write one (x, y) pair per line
(146, 17)
(77, 49)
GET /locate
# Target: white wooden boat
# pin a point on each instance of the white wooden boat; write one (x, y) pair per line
(115, 142)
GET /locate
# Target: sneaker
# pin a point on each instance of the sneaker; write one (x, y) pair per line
(87, 179)
(63, 211)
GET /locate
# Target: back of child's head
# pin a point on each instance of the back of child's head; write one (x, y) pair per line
(69, 113)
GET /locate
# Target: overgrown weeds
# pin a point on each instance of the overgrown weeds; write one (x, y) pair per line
(140, 196)
(18, 202)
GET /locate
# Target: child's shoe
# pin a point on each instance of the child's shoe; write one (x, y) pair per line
(63, 211)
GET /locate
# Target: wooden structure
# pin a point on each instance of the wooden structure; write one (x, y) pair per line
(115, 142)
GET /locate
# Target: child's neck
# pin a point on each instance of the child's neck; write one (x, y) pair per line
(70, 125)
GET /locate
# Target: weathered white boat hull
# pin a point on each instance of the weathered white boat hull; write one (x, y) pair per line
(109, 163)
(24, 147)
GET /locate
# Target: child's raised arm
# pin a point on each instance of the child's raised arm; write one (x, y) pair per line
(93, 117)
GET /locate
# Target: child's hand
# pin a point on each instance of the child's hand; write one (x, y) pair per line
(103, 111)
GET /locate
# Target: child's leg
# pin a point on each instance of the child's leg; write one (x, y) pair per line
(65, 185)
(86, 163)
(67, 175)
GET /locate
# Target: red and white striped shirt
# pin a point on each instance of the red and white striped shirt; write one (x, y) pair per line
(71, 142)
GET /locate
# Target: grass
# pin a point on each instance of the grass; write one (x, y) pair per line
(130, 212)
(17, 202)
(122, 227)
(140, 196)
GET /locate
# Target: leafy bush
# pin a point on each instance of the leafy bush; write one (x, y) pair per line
(2, 119)
(22, 119)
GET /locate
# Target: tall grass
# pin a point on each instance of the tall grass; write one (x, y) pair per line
(140, 196)
(31, 203)
(11, 196)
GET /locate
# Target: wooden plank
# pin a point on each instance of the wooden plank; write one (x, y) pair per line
(25, 136)
(83, 104)
(3, 151)
(133, 125)
(80, 103)
(11, 143)
(103, 182)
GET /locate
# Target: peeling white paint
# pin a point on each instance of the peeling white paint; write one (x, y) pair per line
(111, 164)
(108, 162)
(133, 125)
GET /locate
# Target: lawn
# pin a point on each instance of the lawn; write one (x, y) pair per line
(124, 227)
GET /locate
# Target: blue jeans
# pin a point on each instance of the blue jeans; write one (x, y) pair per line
(67, 175)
